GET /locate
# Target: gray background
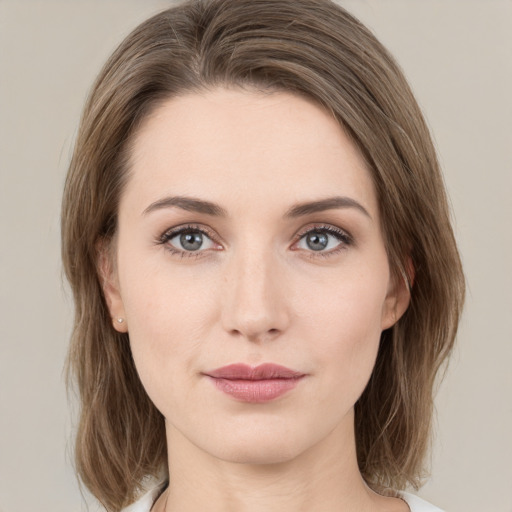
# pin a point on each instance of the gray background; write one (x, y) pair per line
(457, 55)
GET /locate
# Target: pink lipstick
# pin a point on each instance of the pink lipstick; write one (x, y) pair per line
(260, 384)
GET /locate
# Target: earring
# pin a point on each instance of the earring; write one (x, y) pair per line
(119, 324)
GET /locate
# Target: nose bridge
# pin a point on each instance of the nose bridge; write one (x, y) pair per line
(254, 302)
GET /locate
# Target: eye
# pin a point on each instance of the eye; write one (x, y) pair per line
(324, 240)
(187, 240)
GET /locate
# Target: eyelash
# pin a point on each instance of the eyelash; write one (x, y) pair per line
(339, 234)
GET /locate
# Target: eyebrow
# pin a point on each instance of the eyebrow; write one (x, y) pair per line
(330, 203)
(190, 204)
(193, 204)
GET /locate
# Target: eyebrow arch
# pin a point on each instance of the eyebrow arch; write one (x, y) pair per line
(201, 206)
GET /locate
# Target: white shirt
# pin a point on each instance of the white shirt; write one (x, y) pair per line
(145, 503)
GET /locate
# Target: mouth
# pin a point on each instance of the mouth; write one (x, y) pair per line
(259, 384)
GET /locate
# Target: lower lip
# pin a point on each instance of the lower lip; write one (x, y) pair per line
(256, 391)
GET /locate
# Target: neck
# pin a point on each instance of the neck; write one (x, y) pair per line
(323, 478)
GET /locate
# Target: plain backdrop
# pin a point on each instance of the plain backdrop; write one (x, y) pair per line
(457, 55)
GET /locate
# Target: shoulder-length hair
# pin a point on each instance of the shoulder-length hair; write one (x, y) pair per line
(313, 48)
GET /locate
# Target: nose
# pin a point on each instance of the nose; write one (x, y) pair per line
(253, 305)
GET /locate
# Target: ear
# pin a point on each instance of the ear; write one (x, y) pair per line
(110, 284)
(398, 296)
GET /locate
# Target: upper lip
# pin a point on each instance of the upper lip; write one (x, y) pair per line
(262, 372)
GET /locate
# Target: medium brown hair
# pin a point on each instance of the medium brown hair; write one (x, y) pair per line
(313, 48)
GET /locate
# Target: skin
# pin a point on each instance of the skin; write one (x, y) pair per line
(254, 292)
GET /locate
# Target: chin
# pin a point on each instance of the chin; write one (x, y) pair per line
(258, 448)
(257, 455)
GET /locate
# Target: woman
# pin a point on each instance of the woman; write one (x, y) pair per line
(266, 281)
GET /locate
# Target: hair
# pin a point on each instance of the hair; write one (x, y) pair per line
(308, 47)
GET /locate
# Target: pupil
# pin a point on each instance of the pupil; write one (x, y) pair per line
(317, 241)
(191, 241)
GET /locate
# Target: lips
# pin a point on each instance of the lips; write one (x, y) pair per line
(260, 384)
(261, 372)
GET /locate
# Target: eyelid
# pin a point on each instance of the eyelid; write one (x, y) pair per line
(324, 227)
(177, 230)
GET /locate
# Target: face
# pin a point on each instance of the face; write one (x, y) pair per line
(249, 233)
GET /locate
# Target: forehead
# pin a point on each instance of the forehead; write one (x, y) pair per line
(257, 145)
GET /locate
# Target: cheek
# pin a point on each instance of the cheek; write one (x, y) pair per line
(345, 331)
(167, 319)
